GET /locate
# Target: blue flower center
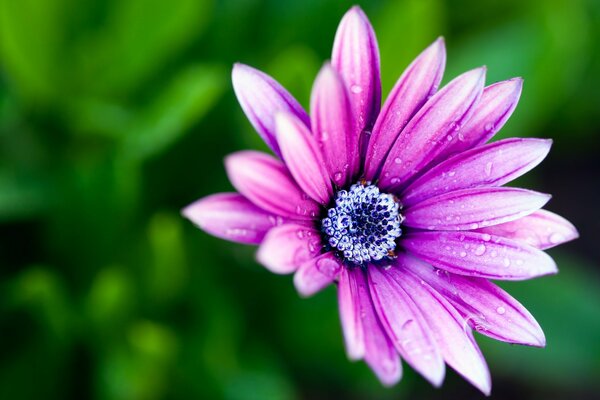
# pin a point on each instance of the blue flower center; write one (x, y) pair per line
(364, 224)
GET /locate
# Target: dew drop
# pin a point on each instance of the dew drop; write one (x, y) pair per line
(486, 237)
(398, 160)
(463, 254)
(488, 168)
(337, 177)
(451, 173)
(479, 250)
(500, 310)
(356, 89)
(506, 262)
(489, 127)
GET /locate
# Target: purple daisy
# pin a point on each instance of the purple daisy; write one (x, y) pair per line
(402, 208)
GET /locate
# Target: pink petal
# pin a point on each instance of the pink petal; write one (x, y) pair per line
(454, 339)
(491, 165)
(362, 330)
(487, 308)
(261, 97)
(355, 56)
(432, 129)
(302, 156)
(286, 247)
(418, 82)
(474, 208)
(541, 229)
(266, 182)
(479, 254)
(332, 125)
(405, 325)
(497, 104)
(232, 217)
(316, 274)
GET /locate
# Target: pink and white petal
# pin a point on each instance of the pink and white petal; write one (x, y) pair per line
(363, 332)
(332, 125)
(493, 164)
(232, 217)
(285, 248)
(261, 97)
(454, 338)
(431, 130)
(266, 182)
(487, 308)
(417, 84)
(474, 208)
(541, 229)
(479, 254)
(316, 274)
(355, 56)
(405, 325)
(497, 104)
(303, 158)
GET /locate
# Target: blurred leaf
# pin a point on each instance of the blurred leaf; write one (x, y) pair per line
(140, 36)
(31, 35)
(110, 300)
(167, 273)
(186, 99)
(404, 29)
(22, 195)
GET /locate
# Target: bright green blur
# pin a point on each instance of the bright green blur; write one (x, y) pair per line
(116, 114)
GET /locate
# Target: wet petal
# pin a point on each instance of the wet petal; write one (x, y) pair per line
(316, 274)
(432, 129)
(302, 156)
(487, 308)
(266, 182)
(362, 330)
(261, 97)
(285, 248)
(355, 56)
(453, 337)
(417, 83)
(541, 229)
(479, 254)
(405, 325)
(332, 125)
(497, 104)
(232, 217)
(491, 165)
(474, 208)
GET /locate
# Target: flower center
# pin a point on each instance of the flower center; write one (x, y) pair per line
(364, 224)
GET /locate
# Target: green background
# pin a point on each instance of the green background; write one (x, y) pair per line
(116, 114)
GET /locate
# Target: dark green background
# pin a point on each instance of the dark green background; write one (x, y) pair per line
(115, 114)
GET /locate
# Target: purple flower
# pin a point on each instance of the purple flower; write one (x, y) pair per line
(402, 208)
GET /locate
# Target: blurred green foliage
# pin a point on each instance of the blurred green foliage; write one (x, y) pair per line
(114, 114)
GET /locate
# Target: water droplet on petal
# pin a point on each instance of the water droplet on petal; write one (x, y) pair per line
(337, 177)
(356, 89)
(500, 310)
(486, 237)
(556, 238)
(489, 127)
(398, 160)
(479, 250)
(488, 168)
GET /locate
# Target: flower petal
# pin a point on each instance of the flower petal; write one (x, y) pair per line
(261, 97)
(487, 308)
(496, 105)
(232, 217)
(285, 248)
(454, 339)
(474, 208)
(316, 274)
(266, 182)
(479, 254)
(332, 125)
(418, 82)
(541, 229)
(355, 56)
(432, 129)
(493, 164)
(362, 330)
(405, 325)
(303, 158)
